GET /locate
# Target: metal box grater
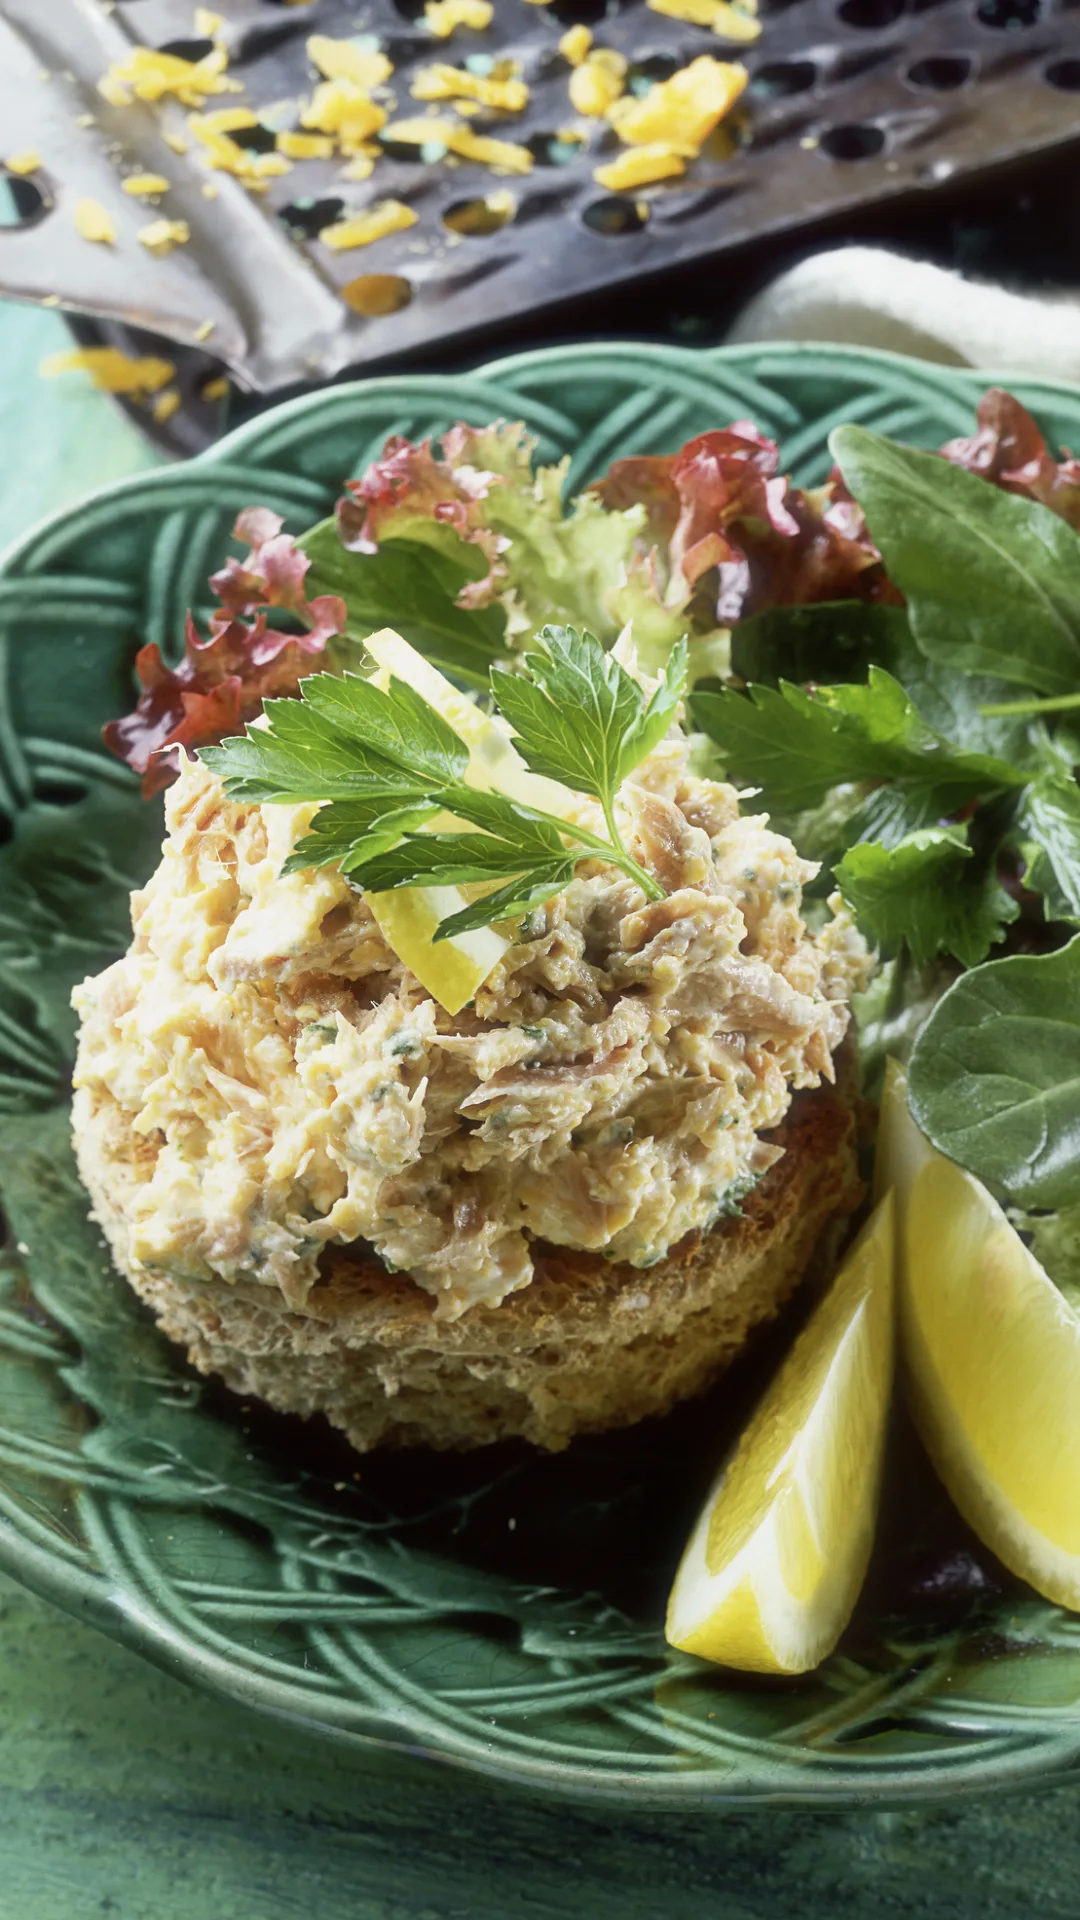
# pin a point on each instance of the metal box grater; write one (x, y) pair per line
(850, 103)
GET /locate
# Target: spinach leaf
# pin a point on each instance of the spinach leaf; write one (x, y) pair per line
(991, 580)
(994, 1077)
(1049, 822)
(928, 893)
(413, 589)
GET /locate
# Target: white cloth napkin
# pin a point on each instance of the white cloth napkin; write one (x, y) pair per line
(869, 297)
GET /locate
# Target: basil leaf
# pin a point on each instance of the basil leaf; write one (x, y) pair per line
(413, 589)
(927, 893)
(991, 580)
(994, 1077)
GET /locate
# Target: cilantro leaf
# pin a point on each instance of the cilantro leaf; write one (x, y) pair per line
(388, 764)
(929, 893)
(991, 579)
(796, 745)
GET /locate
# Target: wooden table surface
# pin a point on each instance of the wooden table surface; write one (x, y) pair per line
(124, 1793)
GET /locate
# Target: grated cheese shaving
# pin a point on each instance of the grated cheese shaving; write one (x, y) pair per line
(680, 112)
(374, 223)
(502, 156)
(216, 389)
(727, 21)
(138, 184)
(28, 161)
(94, 222)
(639, 167)
(207, 23)
(342, 108)
(226, 155)
(305, 146)
(595, 86)
(575, 44)
(111, 370)
(360, 167)
(443, 16)
(161, 236)
(503, 92)
(344, 60)
(147, 74)
(165, 405)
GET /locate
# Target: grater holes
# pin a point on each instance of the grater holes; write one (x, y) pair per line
(1064, 74)
(307, 218)
(1008, 16)
(641, 75)
(373, 295)
(941, 73)
(548, 150)
(188, 49)
(782, 78)
(616, 215)
(256, 139)
(859, 140)
(22, 202)
(480, 216)
(871, 15)
(584, 13)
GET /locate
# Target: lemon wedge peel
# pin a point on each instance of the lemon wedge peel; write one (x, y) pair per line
(452, 970)
(992, 1362)
(776, 1561)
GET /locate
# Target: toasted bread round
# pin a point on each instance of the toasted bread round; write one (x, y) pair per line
(588, 1345)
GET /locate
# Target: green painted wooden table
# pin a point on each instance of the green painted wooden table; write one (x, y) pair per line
(124, 1793)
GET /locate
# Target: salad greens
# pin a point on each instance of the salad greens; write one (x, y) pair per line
(388, 763)
(888, 660)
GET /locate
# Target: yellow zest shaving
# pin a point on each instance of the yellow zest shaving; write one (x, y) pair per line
(207, 23)
(443, 16)
(342, 108)
(639, 167)
(421, 132)
(597, 83)
(502, 156)
(140, 184)
(161, 236)
(177, 142)
(111, 370)
(147, 74)
(28, 161)
(575, 44)
(165, 405)
(502, 92)
(344, 60)
(360, 229)
(305, 146)
(683, 111)
(226, 155)
(203, 331)
(216, 389)
(729, 22)
(93, 222)
(360, 167)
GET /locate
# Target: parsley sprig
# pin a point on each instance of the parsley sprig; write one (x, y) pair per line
(387, 764)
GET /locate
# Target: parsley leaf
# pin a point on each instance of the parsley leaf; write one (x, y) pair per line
(388, 764)
(928, 892)
(796, 745)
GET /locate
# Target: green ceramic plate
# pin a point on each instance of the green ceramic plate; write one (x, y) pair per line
(500, 1612)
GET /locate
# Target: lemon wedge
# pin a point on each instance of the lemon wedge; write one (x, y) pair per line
(992, 1353)
(775, 1563)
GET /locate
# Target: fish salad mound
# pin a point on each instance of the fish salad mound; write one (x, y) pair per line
(294, 1087)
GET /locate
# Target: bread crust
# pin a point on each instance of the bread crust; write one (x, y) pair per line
(588, 1345)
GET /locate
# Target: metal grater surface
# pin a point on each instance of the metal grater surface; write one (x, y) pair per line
(851, 102)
